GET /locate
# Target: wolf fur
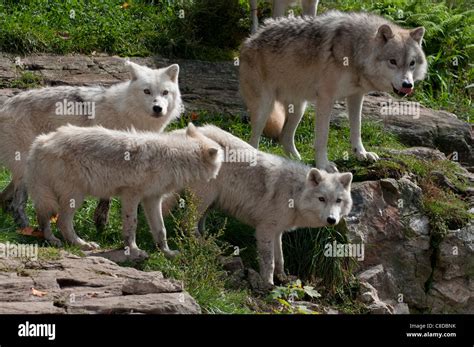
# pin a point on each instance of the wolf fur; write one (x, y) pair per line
(310, 7)
(149, 101)
(271, 194)
(291, 61)
(71, 163)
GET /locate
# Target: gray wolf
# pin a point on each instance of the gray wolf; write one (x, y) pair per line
(279, 7)
(271, 194)
(149, 101)
(291, 61)
(65, 166)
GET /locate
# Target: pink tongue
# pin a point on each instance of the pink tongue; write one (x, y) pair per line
(407, 90)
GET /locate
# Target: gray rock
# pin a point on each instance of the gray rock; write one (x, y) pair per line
(72, 284)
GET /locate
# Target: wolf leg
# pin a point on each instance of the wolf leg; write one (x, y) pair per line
(253, 12)
(265, 107)
(129, 227)
(6, 196)
(154, 216)
(18, 205)
(279, 260)
(354, 106)
(65, 224)
(323, 116)
(101, 214)
(310, 7)
(294, 113)
(279, 8)
(265, 247)
(44, 225)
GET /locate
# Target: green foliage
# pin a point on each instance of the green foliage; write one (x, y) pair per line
(27, 80)
(286, 295)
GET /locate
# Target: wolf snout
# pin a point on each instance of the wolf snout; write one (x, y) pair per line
(157, 109)
(331, 220)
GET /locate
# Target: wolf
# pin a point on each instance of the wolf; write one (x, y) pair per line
(148, 101)
(65, 166)
(310, 8)
(271, 194)
(291, 61)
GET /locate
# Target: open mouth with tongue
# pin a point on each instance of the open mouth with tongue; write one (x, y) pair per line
(402, 91)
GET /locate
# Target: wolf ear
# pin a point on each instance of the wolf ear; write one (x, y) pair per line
(173, 71)
(314, 177)
(134, 70)
(346, 179)
(417, 34)
(191, 130)
(385, 32)
(212, 152)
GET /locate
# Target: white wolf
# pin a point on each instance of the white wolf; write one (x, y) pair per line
(336, 55)
(67, 165)
(271, 194)
(310, 8)
(149, 101)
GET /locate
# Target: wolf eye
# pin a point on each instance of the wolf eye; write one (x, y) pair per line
(412, 63)
(165, 92)
(322, 199)
(146, 91)
(393, 61)
(338, 201)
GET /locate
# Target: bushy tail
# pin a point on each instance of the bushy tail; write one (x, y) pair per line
(275, 122)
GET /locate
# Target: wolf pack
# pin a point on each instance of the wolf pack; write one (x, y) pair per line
(123, 150)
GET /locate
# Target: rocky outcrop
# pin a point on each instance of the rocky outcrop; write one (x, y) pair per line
(388, 219)
(72, 285)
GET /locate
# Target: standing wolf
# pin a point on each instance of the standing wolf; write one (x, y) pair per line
(65, 166)
(336, 55)
(149, 101)
(310, 8)
(271, 194)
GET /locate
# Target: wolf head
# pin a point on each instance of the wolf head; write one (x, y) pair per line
(157, 90)
(326, 197)
(210, 151)
(398, 60)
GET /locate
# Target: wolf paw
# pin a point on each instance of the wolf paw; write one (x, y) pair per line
(88, 246)
(55, 242)
(329, 167)
(170, 253)
(138, 255)
(369, 156)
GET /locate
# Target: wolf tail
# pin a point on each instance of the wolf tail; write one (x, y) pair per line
(275, 121)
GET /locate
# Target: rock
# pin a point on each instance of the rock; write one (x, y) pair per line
(370, 297)
(388, 218)
(72, 284)
(430, 128)
(232, 264)
(421, 153)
